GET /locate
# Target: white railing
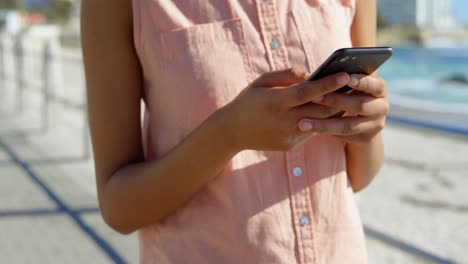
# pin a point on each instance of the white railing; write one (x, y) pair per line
(44, 71)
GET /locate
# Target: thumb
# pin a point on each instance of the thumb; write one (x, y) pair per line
(280, 78)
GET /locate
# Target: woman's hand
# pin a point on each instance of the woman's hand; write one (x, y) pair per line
(264, 116)
(366, 109)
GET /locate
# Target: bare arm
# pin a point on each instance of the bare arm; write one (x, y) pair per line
(133, 193)
(114, 81)
(364, 160)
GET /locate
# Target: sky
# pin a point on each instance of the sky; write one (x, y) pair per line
(460, 8)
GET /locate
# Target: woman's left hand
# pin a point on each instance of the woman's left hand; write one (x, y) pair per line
(366, 108)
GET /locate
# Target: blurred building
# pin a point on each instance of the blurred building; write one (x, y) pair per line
(10, 21)
(431, 14)
(36, 3)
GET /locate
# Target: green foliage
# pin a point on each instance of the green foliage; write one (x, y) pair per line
(59, 11)
(10, 4)
(400, 36)
(381, 23)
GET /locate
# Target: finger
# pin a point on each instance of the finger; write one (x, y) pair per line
(312, 110)
(312, 90)
(344, 126)
(280, 78)
(356, 104)
(368, 84)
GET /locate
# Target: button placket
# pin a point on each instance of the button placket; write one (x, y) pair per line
(298, 183)
(297, 171)
(301, 206)
(271, 34)
(274, 44)
(304, 220)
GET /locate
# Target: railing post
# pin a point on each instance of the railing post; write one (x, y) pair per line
(86, 134)
(2, 57)
(8, 67)
(48, 59)
(86, 149)
(20, 82)
(2, 67)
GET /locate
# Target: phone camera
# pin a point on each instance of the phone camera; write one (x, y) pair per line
(343, 59)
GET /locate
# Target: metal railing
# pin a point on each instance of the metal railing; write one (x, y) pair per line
(39, 69)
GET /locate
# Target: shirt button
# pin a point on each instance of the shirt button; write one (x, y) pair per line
(304, 220)
(297, 171)
(274, 44)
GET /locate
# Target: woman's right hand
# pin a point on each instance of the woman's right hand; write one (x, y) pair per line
(265, 115)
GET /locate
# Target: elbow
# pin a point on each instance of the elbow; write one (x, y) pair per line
(359, 180)
(359, 187)
(360, 183)
(116, 222)
(113, 208)
(121, 229)
(116, 219)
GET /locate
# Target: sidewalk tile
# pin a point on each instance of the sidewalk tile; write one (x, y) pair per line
(126, 245)
(50, 239)
(19, 192)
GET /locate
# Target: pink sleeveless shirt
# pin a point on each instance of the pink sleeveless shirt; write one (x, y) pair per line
(265, 206)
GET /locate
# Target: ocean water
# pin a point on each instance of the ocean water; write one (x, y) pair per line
(417, 74)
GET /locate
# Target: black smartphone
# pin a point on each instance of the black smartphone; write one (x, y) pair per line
(353, 60)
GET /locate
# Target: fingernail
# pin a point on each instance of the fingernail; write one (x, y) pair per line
(306, 126)
(353, 81)
(342, 79)
(318, 99)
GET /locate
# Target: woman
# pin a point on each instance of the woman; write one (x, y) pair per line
(240, 159)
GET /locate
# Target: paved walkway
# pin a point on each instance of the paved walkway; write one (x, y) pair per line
(416, 211)
(48, 209)
(420, 196)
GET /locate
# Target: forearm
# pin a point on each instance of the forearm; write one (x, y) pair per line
(364, 161)
(141, 194)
